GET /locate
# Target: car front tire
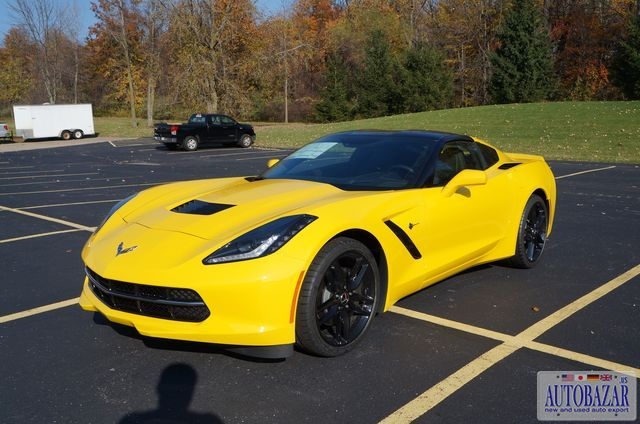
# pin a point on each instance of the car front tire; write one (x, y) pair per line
(245, 141)
(532, 233)
(338, 298)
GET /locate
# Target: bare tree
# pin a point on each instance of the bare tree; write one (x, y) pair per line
(154, 18)
(69, 20)
(116, 16)
(210, 50)
(41, 20)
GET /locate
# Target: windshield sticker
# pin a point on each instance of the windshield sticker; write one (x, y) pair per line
(312, 151)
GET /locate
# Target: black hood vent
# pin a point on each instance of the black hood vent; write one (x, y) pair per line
(199, 207)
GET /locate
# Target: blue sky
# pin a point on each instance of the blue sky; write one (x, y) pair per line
(86, 16)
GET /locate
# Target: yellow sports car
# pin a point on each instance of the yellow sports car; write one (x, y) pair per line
(308, 252)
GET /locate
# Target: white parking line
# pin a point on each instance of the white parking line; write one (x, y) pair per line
(30, 172)
(436, 394)
(55, 205)
(47, 176)
(39, 310)
(66, 190)
(48, 218)
(518, 340)
(52, 233)
(17, 167)
(588, 171)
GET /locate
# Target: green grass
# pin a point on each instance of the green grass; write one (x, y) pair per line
(577, 131)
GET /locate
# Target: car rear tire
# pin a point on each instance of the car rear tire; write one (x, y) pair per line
(338, 298)
(190, 143)
(66, 135)
(245, 141)
(78, 134)
(532, 233)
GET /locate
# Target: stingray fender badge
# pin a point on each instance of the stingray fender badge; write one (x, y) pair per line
(121, 250)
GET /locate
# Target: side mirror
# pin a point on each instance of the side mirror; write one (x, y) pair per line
(272, 162)
(466, 177)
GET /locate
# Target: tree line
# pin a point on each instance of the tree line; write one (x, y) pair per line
(319, 60)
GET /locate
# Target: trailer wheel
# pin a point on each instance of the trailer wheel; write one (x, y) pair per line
(66, 135)
(78, 134)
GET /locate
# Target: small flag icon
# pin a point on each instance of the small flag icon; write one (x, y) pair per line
(605, 377)
(593, 377)
(567, 377)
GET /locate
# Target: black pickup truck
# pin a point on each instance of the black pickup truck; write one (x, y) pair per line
(204, 129)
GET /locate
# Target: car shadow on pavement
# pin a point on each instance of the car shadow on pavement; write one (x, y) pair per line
(175, 389)
(181, 345)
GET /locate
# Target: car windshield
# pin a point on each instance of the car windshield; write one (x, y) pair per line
(359, 161)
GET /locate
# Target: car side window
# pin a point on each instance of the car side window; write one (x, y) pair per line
(215, 120)
(490, 155)
(454, 157)
(226, 120)
(198, 120)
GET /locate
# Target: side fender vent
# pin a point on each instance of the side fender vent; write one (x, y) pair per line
(405, 239)
(506, 166)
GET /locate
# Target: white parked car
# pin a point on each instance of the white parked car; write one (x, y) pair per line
(5, 132)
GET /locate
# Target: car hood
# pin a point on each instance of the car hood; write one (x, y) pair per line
(220, 209)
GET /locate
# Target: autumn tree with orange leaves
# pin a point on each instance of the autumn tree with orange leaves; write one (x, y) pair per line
(116, 44)
(309, 61)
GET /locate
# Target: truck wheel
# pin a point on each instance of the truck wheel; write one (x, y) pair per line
(78, 134)
(245, 141)
(190, 143)
(66, 135)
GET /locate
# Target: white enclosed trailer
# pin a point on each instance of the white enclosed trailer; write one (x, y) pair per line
(46, 121)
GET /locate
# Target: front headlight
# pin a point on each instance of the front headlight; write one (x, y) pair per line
(261, 241)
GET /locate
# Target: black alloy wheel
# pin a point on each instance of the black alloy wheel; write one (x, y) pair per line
(338, 299)
(532, 233)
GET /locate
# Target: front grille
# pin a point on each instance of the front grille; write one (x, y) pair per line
(153, 301)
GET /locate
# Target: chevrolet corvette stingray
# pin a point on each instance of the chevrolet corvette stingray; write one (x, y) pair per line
(308, 252)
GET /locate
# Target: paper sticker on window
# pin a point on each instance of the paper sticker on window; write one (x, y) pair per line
(312, 151)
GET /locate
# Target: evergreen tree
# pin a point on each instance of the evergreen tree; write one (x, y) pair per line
(334, 104)
(377, 89)
(429, 82)
(523, 63)
(626, 65)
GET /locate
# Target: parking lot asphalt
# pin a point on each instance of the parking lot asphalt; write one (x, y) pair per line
(465, 350)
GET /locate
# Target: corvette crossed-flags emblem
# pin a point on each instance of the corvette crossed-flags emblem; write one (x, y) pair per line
(122, 250)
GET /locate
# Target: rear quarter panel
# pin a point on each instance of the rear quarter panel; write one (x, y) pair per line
(531, 175)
